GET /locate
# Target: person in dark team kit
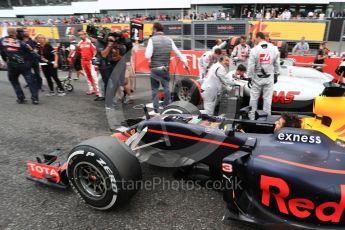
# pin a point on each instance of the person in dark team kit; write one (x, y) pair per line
(34, 62)
(17, 54)
(322, 53)
(49, 55)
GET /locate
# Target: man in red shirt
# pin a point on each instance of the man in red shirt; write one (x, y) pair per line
(87, 50)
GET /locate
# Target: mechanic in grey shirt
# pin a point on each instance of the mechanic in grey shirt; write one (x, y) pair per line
(301, 47)
(158, 51)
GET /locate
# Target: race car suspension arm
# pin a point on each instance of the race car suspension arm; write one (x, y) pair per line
(134, 140)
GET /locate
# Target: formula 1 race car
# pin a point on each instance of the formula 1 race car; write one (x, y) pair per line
(290, 177)
(295, 90)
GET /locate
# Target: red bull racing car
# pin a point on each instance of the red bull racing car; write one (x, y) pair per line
(280, 179)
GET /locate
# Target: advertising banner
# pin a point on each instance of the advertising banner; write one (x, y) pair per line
(147, 30)
(66, 30)
(226, 29)
(113, 26)
(173, 29)
(51, 32)
(176, 66)
(289, 30)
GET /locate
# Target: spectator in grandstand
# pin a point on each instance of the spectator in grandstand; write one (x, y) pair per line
(286, 15)
(258, 15)
(333, 14)
(321, 16)
(310, 14)
(301, 47)
(250, 14)
(158, 51)
(240, 54)
(222, 16)
(50, 68)
(268, 15)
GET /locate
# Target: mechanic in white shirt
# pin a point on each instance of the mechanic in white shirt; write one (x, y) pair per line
(239, 74)
(207, 60)
(219, 44)
(240, 54)
(158, 51)
(215, 82)
(263, 64)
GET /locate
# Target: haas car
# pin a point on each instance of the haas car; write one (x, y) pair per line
(286, 178)
(295, 90)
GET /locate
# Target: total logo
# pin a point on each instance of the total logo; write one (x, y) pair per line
(302, 138)
(43, 171)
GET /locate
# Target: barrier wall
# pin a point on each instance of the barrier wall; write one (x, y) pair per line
(176, 67)
(278, 30)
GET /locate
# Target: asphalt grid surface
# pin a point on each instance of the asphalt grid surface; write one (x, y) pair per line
(28, 131)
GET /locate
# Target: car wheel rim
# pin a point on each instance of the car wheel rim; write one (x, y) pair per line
(184, 94)
(90, 181)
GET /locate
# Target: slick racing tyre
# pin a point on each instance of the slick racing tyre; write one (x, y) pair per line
(187, 90)
(103, 172)
(181, 107)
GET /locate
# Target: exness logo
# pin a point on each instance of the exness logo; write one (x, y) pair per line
(290, 137)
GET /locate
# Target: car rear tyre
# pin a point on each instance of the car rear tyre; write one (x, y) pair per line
(186, 90)
(181, 107)
(103, 172)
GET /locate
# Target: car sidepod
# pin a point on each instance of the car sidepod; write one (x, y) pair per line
(293, 178)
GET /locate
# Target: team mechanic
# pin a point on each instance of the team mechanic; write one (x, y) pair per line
(263, 69)
(18, 56)
(217, 80)
(158, 50)
(241, 52)
(87, 50)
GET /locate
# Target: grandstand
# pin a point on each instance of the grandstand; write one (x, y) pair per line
(19, 8)
(8, 4)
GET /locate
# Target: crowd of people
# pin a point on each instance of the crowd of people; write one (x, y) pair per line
(90, 57)
(96, 59)
(71, 20)
(279, 14)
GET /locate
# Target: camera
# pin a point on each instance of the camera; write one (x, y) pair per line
(100, 33)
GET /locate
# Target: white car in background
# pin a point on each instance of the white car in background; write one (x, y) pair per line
(295, 90)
